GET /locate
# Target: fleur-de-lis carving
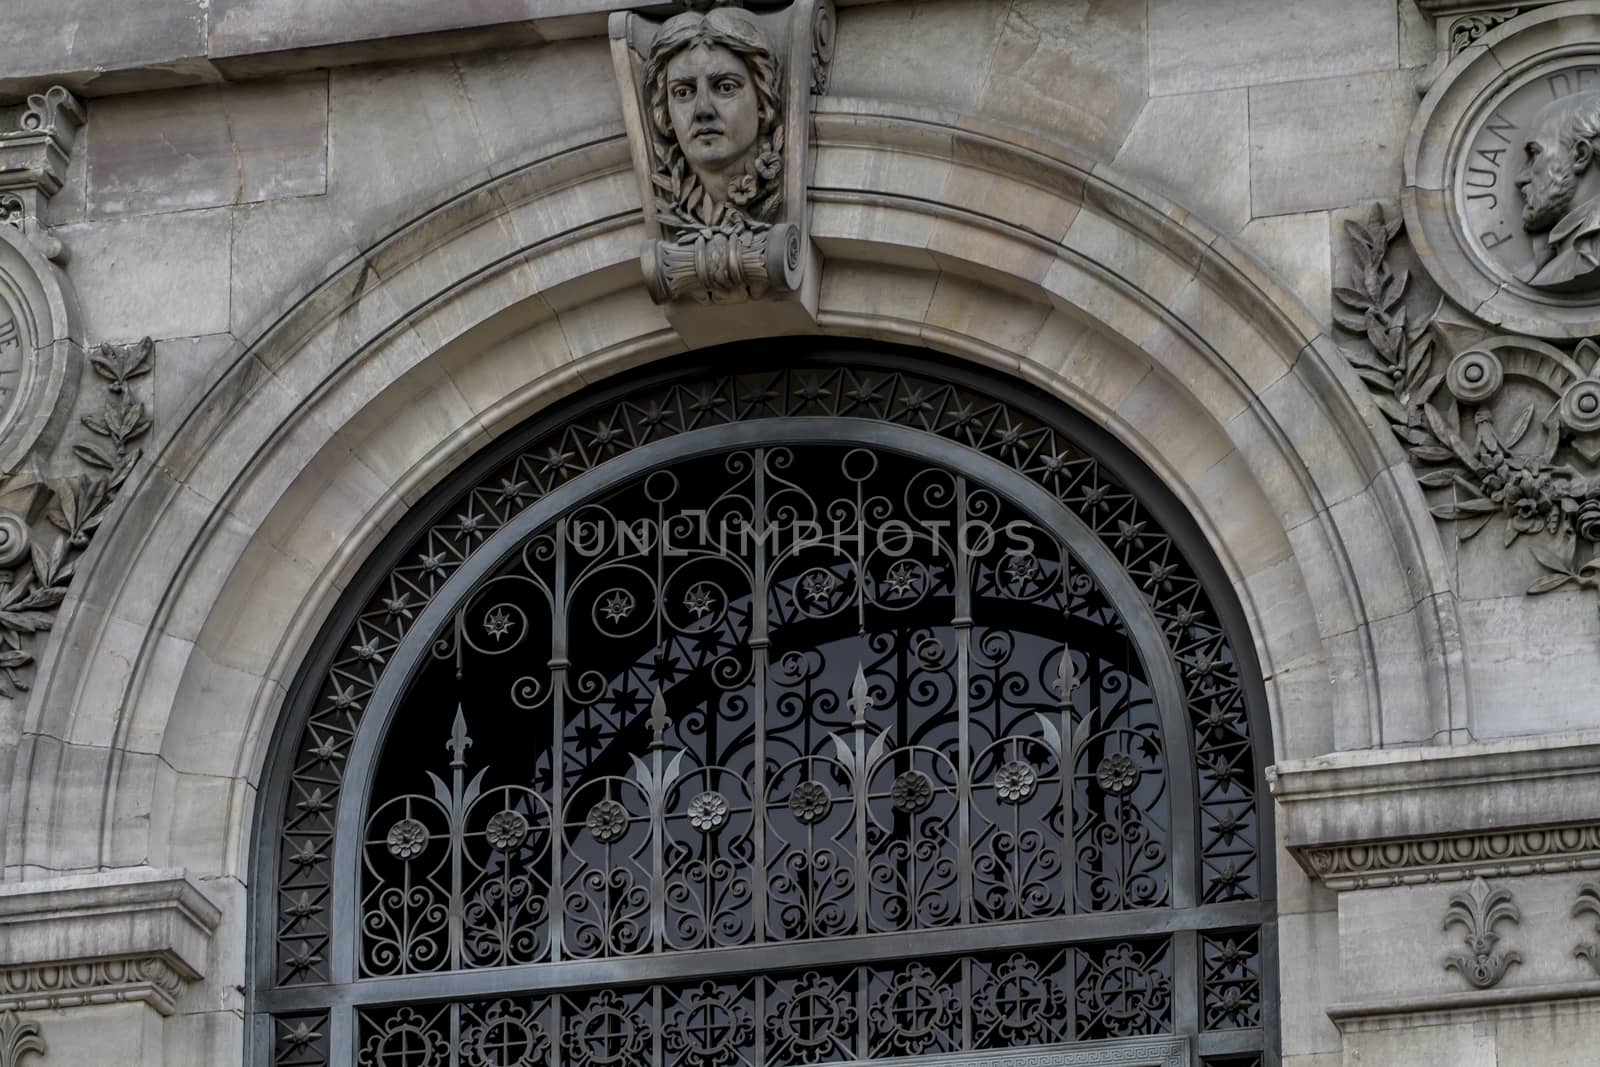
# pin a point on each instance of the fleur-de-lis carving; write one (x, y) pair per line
(1478, 911)
(17, 1039)
(1588, 903)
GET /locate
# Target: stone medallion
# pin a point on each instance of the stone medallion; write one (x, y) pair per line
(1502, 194)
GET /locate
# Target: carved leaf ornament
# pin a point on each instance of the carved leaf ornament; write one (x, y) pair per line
(1478, 911)
(1528, 455)
(36, 575)
(1588, 903)
(17, 1039)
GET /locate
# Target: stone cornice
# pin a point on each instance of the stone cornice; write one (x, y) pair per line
(1443, 8)
(1434, 814)
(125, 935)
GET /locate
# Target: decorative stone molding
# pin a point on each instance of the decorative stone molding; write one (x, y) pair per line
(33, 163)
(18, 1039)
(136, 935)
(1454, 858)
(36, 561)
(1415, 816)
(1478, 911)
(717, 102)
(1497, 425)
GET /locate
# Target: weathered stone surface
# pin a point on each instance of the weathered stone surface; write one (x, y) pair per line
(1328, 143)
(208, 147)
(919, 52)
(1225, 43)
(243, 27)
(1075, 67)
(1298, 249)
(157, 275)
(44, 38)
(1209, 133)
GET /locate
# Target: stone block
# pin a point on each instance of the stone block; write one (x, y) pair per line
(420, 113)
(1308, 972)
(1460, 1044)
(1533, 666)
(1195, 148)
(1176, 435)
(514, 95)
(184, 368)
(1074, 67)
(1222, 44)
(50, 37)
(244, 27)
(160, 276)
(1328, 143)
(208, 146)
(925, 52)
(1298, 249)
(1549, 1035)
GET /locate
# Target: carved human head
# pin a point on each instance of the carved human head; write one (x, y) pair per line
(1560, 150)
(713, 90)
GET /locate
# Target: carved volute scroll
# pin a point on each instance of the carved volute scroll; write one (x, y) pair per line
(718, 103)
(33, 163)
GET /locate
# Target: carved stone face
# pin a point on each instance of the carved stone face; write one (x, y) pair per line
(715, 111)
(1549, 178)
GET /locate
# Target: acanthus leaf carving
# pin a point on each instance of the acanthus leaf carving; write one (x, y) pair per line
(1478, 911)
(18, 1038)
(1467, 29)
(1483, 450)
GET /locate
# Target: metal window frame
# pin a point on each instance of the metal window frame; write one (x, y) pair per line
(342, 996)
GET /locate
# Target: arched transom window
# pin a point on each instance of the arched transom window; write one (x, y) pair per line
(836, 714)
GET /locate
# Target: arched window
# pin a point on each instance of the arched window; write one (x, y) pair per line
(856, 711)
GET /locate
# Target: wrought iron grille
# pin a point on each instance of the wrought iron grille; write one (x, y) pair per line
(817, 737)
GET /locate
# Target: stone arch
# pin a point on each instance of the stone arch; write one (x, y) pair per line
(158, 693)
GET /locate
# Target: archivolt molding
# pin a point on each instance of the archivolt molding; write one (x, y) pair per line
(945, 231)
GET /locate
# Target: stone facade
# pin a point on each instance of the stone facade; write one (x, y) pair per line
(283, 266)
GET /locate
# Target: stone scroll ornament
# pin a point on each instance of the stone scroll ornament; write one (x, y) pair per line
(1498, 426)
(720, 127)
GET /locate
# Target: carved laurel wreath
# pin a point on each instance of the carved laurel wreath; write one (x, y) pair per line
(1480, 451)
(687, 212)
(37, 573)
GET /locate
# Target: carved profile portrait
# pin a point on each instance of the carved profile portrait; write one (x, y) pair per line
(1560, 187)
(712, 84)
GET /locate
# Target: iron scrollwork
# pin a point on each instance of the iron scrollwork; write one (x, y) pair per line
(667, 723)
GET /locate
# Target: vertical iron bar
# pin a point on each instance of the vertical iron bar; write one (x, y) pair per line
(459, 742)
(1186, 979)
(558, 744)
(341, 1035)
(759, 643)
(963, 628)
(455, 1034)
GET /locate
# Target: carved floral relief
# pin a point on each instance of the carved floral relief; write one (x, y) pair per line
(1498, 426)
